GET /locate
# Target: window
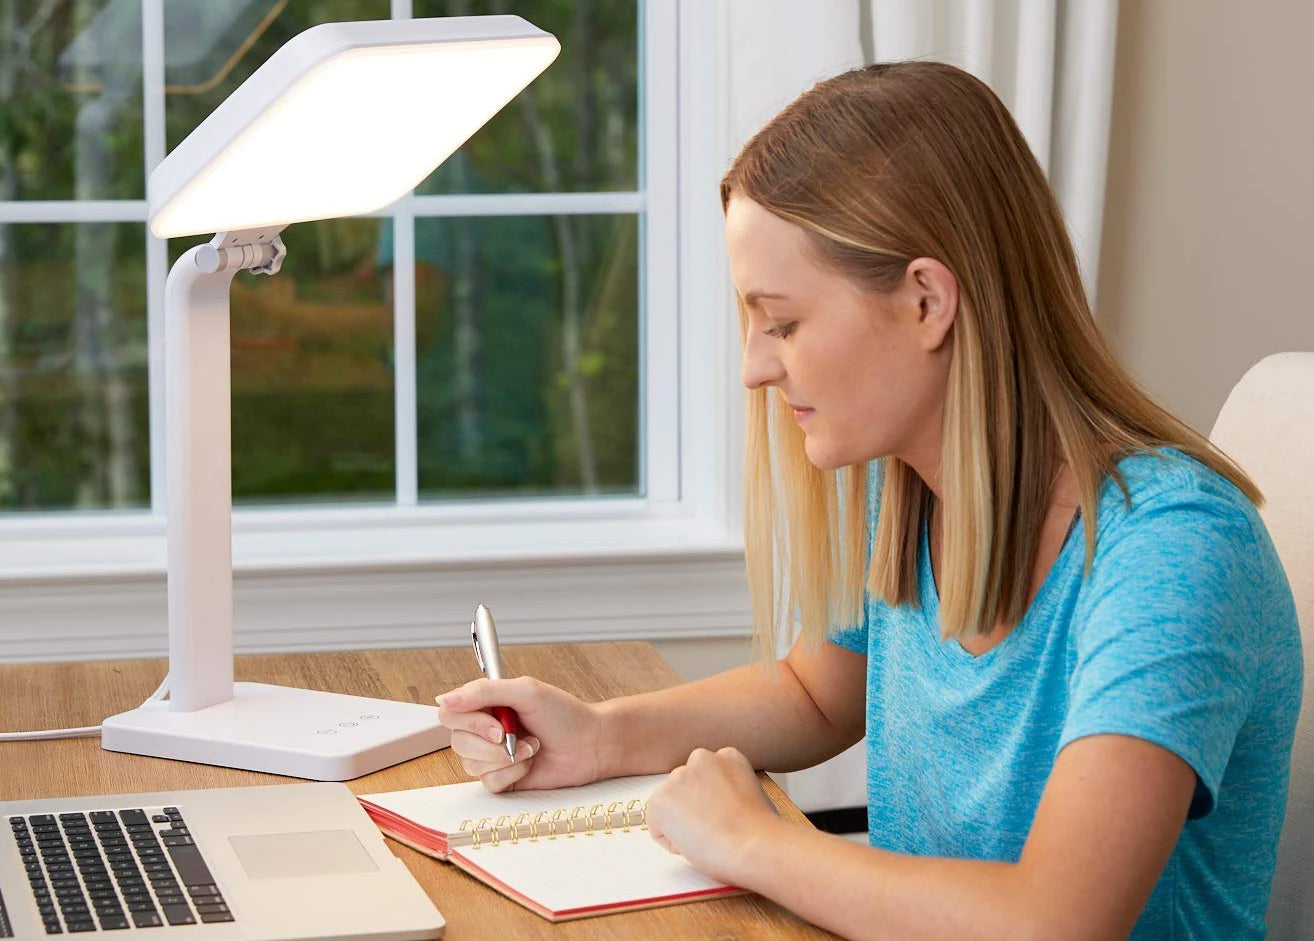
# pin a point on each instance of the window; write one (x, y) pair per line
(524, 360)
(507, 335)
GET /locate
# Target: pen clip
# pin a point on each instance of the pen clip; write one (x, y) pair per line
(479, 654)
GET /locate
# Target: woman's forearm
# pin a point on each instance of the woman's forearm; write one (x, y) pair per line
(764, 710)
(1111, 814)
(860, 892)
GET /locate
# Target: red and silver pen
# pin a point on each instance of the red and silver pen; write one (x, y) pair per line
(489, 655)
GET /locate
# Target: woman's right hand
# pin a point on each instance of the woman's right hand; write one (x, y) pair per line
(561, 745)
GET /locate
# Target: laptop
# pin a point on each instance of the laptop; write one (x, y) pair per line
(252, 863)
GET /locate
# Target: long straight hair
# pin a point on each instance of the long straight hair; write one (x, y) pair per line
(879, 166)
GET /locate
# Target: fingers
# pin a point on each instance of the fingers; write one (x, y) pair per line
(654, 814)
(735, 757)
(477, 736)
(663, 842)
(519, 693)
(728, 757)
(498, 773)
(479, 757)
(464, 708)
(477, 724)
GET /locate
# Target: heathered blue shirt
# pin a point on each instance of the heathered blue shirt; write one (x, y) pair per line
(1183, 634)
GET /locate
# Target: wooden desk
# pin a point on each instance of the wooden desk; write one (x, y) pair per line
(59, 695)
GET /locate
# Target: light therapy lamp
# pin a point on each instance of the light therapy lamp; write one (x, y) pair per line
(344, 119)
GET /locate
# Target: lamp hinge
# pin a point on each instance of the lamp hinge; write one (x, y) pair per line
(260, 251)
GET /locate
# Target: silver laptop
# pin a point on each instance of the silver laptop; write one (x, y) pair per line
(253, 863)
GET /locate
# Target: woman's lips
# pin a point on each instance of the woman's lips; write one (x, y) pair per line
(802, 413)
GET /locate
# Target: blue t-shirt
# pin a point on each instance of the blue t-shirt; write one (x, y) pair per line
(1184, 634)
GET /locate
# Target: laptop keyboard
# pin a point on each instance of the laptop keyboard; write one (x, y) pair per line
(109, 870)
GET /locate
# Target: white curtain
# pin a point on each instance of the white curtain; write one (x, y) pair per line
(1051, 61)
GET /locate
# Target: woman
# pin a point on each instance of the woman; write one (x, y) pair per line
(1049, 605)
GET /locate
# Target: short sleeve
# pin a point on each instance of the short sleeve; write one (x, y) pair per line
(1164, 648)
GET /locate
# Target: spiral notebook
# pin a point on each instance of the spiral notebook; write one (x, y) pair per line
(566, 853)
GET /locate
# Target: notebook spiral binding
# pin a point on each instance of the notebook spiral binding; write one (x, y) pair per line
(567, 821)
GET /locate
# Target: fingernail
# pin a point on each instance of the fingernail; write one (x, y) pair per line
(450, 700)
(526, 750)
(494, 734)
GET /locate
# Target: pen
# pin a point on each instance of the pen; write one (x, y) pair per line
(489, 655)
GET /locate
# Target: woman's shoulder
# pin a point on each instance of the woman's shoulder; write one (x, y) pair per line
(1179, 511)
(1188, 529)
(1186, 554)
(1169, 488)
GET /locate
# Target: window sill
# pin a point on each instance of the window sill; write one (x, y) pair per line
(93, 586)
(113, 545)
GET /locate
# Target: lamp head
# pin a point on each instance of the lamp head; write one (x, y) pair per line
(344, 119)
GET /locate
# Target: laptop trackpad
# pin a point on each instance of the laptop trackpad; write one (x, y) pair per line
(293, 855)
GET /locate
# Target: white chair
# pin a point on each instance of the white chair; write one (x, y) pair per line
(1267, 426)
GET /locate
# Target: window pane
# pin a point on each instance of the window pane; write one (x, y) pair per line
(70, 100)
(527, 355)
(312, 368)
(575, 128)
(73, 400)
(211, 46)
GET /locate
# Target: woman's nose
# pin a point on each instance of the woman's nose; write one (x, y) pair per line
(759, 366)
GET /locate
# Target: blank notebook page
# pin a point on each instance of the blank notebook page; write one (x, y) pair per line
(581, 871)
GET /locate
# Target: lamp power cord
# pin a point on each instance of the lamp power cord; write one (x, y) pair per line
(86, 731)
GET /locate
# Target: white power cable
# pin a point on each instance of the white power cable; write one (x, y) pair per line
(86, 731)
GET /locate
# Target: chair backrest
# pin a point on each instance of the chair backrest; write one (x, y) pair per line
(1267, 426)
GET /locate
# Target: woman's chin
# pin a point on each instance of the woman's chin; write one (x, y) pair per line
(828, 457)
(822, 457)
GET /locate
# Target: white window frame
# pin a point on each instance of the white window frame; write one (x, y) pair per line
(668, 564)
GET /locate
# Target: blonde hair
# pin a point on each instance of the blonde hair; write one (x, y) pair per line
(879, 166)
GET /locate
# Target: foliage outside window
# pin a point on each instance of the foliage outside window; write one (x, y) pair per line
(526, 325)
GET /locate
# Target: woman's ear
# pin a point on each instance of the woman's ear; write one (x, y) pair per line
(936, 291)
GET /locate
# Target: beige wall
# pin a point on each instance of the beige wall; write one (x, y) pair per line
(1208, 243)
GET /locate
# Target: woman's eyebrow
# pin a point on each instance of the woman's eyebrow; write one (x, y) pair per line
(752, 297)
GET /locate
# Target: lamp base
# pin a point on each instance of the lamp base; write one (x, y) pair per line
(302, 733)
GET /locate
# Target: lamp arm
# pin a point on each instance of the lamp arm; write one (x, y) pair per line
(198, 459)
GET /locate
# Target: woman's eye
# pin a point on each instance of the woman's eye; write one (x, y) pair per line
(782, 331)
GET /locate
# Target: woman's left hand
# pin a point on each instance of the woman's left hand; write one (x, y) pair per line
(710, 811)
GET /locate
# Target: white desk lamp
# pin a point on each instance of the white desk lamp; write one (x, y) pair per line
(344, 119)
